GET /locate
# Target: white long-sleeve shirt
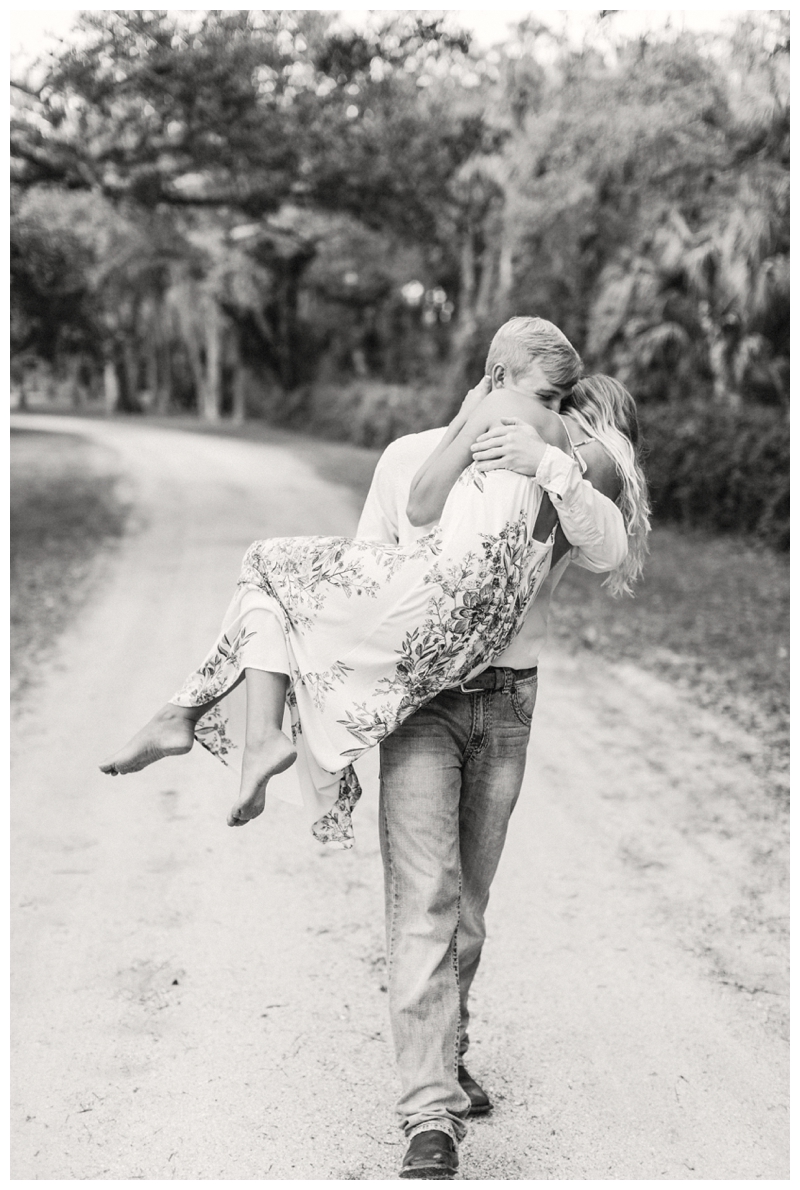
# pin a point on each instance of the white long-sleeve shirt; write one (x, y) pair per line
(591, 522)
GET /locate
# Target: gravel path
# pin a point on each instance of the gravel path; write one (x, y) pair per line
(195, 1002)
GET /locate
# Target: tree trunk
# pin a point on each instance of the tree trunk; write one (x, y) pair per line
(289, 270)
(73, 373)
(287, 323)
(726, 390)
(212, 387)
(239, 410)
(487, 286)
(491, 265)
(164, 382)
(151, 365)
(466, 321)
(129, 397)
(51, 386)
(188, 299)
(505, 275)
(464, 331)
(196, 365)
(110, 386)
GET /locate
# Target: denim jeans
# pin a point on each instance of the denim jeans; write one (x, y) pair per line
(450, 777)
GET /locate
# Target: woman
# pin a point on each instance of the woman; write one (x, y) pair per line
(355, 635)
(600, 416)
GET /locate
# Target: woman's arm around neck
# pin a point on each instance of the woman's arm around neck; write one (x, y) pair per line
(433, 482)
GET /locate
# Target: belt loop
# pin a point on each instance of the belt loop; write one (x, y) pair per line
(508, 680)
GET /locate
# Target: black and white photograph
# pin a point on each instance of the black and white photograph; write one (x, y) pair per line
(399, 642)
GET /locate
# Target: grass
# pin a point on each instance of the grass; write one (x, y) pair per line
(64, 510)
(711, 615)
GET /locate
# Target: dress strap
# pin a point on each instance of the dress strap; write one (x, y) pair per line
(574, 448)
(579, 460)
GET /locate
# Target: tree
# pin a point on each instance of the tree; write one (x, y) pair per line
(646, 205)
(254, 112)
(248, 110)
(52, 306)
(636, 192)
(707, 283)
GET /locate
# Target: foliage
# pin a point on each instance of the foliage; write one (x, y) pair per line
(248, 109)
(52, 307)
(281, 201)
(275, 117)
(714, 468)
(367, 413)
(648, 207)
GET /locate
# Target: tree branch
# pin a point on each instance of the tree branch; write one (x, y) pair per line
(25, 89)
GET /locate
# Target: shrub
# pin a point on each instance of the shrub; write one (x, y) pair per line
(720, 469)
(368, 413)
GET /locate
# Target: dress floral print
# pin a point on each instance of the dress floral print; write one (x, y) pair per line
(370, 632)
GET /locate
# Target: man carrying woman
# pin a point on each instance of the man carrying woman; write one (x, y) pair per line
(422, 636)
(451, 773)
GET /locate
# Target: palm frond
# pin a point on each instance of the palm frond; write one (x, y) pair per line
(610, 309)
(654, 343)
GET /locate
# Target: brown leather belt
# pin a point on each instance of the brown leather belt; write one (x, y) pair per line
(496, 678)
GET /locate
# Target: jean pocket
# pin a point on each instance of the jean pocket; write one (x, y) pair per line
(523, 699)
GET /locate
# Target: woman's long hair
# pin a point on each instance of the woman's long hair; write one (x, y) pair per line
(606, 411)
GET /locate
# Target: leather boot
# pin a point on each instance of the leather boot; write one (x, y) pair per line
(431, 1154)
(480, 1103)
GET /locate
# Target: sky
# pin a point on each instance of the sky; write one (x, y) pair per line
(31, 28)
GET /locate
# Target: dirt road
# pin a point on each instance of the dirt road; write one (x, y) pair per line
(196, 1002)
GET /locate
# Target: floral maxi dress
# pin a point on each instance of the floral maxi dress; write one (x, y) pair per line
(368, 632)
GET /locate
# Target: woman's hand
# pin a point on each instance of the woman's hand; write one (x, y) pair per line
(513, 444)
(474, 397)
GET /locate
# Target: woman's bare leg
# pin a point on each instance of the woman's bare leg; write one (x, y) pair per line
(169, 733)
(267, 750)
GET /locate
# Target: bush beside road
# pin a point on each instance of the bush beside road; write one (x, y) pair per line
(720, 469)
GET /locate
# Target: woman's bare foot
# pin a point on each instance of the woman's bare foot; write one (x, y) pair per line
(169, 733)
(262, 759)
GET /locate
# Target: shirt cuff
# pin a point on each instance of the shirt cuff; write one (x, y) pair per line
(557, 472)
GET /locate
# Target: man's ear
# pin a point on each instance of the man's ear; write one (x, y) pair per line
(498, 376)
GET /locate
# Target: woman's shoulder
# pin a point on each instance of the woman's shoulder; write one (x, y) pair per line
(503, 403)
(601, 470)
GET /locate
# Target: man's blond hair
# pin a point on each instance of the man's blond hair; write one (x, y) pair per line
(520, 341)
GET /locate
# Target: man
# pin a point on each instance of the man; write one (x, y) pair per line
(451, 774)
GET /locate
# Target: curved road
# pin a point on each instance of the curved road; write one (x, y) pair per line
(196, 1002)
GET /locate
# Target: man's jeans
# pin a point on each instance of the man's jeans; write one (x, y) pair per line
(450, 777)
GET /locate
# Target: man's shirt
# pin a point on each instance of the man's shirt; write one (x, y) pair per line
(591, 522)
